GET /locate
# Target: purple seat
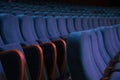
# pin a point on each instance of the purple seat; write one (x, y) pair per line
(70, 23)
(78, 23)
(80, 44)
(61, 23)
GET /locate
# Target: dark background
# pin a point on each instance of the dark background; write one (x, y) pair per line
(79, 2)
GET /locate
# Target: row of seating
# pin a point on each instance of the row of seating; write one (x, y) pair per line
(43, 41)
(20, 30)
(57, 8)
(94, 54)
(33, 40)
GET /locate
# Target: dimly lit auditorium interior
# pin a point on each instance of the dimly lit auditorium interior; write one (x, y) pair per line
(59, 40)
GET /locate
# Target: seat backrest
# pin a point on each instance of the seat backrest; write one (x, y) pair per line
(97, 56)
(39, 25)
(70, 23)
(95, 22)
(101, 45)
(27, 28)
(85, 23)
(109, 42)
(115, 36)
(118, 31)
(80, 44)
(9, 29)
(78, 23)
(51, 26)
(62, 26)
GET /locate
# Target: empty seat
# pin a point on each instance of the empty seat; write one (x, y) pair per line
(70, 23)
(95, 21)
(61, 23)
(80, 44)
(78, 23)
(85, 23)
(102, 48)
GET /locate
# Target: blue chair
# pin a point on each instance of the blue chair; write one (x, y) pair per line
(70, 23)
(80, 44)
(102, 48)
(109, 42)
(78, 23)
(61, 24)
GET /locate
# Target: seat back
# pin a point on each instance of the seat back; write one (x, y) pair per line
(70, 23)
(80, 44)
(9, 29)
(27, 28)
(85, 23)
(95, 22)
(97, 56)
(62, 26)
(78, 23)
(39, 25)
(101, 45)
(51, 26)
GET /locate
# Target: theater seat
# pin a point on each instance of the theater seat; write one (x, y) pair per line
(70, 23)
(78, 23)
(61, 23)
(106, 56)
(83, 61)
